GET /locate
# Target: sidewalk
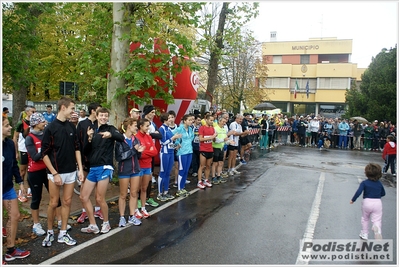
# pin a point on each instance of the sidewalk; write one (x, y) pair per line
(112, 194)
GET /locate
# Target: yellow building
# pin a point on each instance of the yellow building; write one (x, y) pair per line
(321, 64)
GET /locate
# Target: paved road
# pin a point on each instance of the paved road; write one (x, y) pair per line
(258, 217)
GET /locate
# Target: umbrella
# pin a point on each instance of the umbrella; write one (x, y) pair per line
(359, 119)
(265, 106)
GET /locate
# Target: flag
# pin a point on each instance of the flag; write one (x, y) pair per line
(296, 88)
(307, 89)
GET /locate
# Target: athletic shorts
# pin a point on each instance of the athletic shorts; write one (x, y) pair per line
(66, 178)
(207, 155)
(10, 195)
(99, 173)
(23, 158)
(145, 171)
(232, 148)
(218, 154)
(133, 175)
(244, 140)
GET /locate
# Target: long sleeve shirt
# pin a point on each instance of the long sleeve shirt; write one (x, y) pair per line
(10, 166)
(370, 189)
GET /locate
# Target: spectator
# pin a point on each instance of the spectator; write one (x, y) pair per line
(343, 134)
(389, 155)
(368, 136)
(357, 134)
(5, 112)
(82, 115)
(49, 115)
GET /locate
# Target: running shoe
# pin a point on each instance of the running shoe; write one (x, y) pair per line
(215, 180)
(82, 217)
(222, 180)
(17, 254)
(194, 174)
(207, 183)
(47, 241)
(145, 213)
(99, 214)
(188, 181)
(151, 202)
(201, 185)
(235, 171)
(174, 185)
(122, 221)
(68, 226)
(184, 191)
(133, 220)
(21, 197)
(37, 229)
(168, 196)
(106, 227)
(162, 198)
(180, 193)
(67, 239)
(224, 174)
(363, 236)
(91, 229)
(243, 162)
(138, 214)
(231, 173)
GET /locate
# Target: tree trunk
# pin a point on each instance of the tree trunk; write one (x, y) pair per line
(215, 54)
(119, 57)
(18, 103)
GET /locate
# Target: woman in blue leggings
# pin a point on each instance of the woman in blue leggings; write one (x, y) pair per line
(166, 156)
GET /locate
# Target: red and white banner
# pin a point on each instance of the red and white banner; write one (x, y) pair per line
(283, 128)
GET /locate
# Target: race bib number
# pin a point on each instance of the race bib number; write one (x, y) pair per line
(207, 141)
(196, 139)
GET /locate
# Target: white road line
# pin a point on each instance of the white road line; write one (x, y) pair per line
(313, 217)
(104, 236)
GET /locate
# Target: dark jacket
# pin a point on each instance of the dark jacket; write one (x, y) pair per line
(127, 157)
(10, 166)
(60, 143)
(99, 151)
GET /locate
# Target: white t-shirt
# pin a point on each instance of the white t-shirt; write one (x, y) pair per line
(235, 127)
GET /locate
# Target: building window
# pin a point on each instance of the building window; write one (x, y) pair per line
(277, 59)
(277, 83)
(305, 59)
(334, 83)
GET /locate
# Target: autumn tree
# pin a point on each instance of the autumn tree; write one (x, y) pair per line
(240, 71)
(230, 18)
(376, 98)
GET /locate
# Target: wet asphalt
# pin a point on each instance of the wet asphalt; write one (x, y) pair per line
(257, 217)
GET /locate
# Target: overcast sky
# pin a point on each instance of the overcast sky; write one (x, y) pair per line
(372, 25)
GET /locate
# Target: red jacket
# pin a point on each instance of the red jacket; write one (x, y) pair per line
(149, 152)
(389, 149)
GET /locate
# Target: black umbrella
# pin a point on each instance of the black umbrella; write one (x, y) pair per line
(265, 106)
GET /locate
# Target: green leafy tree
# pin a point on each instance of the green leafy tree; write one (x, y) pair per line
(20, 41)
(147, 69)
(376, 98)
